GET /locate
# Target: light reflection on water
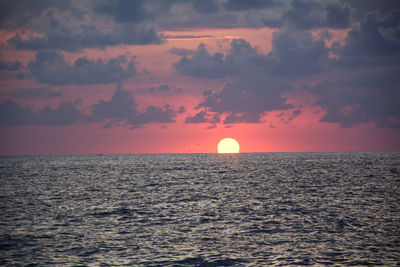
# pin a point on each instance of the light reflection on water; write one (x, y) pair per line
(201, 209)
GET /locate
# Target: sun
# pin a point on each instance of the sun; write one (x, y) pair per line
(228, 145)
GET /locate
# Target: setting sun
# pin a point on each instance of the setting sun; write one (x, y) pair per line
(228, 145)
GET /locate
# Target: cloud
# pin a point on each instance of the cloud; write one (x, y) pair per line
(74, 30)
(39, 92)
(165, 114)
(242, 58)
(301, 14)
(12, 114)
(375, 37)
(203, 64)
(370, 54)
(305, 14)
(123, 109)
(239, 5)
(206, 6)
(66, 113)
(361, 8)
(181, 51)
(202, 117)
(19, 13)
(128, 35)
(257, 81)
(124, 10)
(244, 101)
(164, 88)
(121, 106)
(120, 110)
(50, 67)
(231, 13)
(287, 117)
(372, 97)
(10, 66)
(161, 88)
(73, 26)
(294, 54)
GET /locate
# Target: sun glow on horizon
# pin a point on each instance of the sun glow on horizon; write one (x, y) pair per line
(228, 145)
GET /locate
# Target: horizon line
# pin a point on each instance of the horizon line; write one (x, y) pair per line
(182, 153)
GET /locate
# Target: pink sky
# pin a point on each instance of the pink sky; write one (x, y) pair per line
(133, 82)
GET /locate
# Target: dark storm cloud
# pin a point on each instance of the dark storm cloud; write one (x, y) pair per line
(10, 66)
(123, 109)
(12, 114)
(374, 37)
(120, 110)
(50, 67)
(164, 88)
(121, 106)
(301, 14)
(374, 43)
(161, 88)
(202, 117)
(66, 113)
(258, 80)
(372, 97)
(123, 10)
(287, 117)
(19, 13)
(245, 102)
(361, 8)
(39, 92)
(240, 5)
(231, 13)
(306, 14)
(151, 114)
(168, 14)
(371, 53)
(294, 54)
(206, 6)
(73, 26)
(92, 38)
(203, 64)
(66, 31)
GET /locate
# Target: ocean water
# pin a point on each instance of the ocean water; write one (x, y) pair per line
(201, 209)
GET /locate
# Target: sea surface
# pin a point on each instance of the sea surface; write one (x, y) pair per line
(258, 209)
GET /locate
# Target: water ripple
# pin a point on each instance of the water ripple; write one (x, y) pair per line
(201, 209)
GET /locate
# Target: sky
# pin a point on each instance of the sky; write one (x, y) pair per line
(175, 76)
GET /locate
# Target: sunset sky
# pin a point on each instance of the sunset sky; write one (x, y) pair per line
(174, 76)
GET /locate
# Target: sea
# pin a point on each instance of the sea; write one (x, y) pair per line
(246, 209)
